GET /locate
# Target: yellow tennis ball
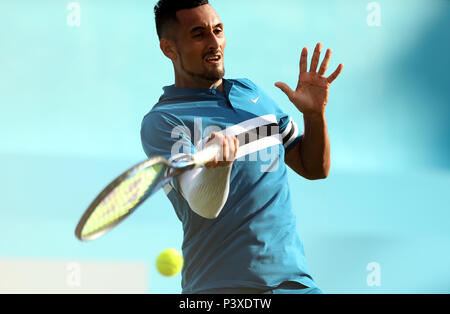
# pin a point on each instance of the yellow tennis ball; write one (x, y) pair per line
(169, 262)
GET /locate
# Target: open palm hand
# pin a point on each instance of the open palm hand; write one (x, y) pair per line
(311, 93)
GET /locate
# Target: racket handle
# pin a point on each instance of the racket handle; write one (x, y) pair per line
(206, 155)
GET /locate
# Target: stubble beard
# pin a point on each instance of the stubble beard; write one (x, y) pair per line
(209, 76)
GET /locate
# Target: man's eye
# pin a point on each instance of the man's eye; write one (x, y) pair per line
(198, 35)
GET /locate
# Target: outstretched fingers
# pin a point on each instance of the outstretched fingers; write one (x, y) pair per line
(286, 89)
(325, 62)
(316, 57)
(335, 74)
(304, 61)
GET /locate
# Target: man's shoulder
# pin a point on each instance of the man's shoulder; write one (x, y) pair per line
(245, 82)
(159, 117)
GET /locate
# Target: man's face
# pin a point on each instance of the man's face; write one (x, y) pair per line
(199, 38)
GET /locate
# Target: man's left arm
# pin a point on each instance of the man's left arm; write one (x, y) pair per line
(311, 155)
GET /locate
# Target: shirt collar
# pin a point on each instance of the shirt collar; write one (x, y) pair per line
(173, 91)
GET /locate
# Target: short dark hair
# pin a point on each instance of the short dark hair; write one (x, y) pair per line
(166, 13)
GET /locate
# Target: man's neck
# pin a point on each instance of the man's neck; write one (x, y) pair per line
(218, 84)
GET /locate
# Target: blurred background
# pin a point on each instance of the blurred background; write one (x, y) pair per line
(77, 77)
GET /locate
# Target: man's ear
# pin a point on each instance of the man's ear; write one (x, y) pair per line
(168, 48)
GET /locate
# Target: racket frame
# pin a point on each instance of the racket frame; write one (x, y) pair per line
(115, 183)
(172, 169)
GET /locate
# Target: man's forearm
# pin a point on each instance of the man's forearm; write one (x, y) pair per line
(206, 190)
(315, 147)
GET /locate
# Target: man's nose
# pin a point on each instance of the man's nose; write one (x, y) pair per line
(213, 41)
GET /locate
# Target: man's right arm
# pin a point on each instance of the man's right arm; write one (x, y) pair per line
(206, 189)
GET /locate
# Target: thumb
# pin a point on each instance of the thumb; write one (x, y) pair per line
(286, 89)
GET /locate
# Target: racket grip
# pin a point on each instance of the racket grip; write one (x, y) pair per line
(206, 155)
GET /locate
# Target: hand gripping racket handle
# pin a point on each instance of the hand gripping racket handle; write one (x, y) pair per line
(206, 155)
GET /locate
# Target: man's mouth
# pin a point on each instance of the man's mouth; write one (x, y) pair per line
(215, 59)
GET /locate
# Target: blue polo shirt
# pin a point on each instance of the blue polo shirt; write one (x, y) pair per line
(253, 243)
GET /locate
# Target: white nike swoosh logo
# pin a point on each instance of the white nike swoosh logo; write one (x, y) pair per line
(255, 100)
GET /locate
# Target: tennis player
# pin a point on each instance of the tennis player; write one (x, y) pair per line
(240, 232)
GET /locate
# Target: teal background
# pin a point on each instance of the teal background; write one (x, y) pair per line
(72, 100)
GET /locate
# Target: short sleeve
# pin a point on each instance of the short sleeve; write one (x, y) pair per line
(289, 131)
(288, 128)
(164, 135)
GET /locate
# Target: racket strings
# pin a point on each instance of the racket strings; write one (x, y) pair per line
(121, 200)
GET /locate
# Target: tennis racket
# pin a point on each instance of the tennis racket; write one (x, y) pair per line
(129, 190)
